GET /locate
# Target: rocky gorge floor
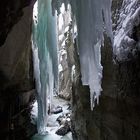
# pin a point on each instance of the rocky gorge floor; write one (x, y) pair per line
(59, 122)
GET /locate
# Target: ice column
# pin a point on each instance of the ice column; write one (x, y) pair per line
(45, 59)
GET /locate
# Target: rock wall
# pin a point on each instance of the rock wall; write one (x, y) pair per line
(65, 45)
(117, 117)
(16, 71)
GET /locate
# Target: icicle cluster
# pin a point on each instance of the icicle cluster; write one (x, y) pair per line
(129, 17)
(91, 18)
(45, 58)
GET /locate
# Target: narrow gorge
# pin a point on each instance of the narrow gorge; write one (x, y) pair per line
(70, 70)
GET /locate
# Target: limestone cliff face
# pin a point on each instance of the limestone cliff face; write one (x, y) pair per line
(16, 72)
(117, 115)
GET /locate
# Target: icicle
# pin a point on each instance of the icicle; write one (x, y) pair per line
(45, 59)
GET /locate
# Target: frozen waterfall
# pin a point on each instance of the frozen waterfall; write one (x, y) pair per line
(45, 59)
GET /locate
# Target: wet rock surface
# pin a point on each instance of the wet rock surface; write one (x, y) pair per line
(63, 130)
(57, 110)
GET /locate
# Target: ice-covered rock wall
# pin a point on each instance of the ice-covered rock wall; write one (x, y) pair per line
(124, 43)
(45, 58)
(65, 46)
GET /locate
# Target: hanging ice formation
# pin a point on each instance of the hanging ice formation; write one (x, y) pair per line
(45, 58)
(91, 18)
